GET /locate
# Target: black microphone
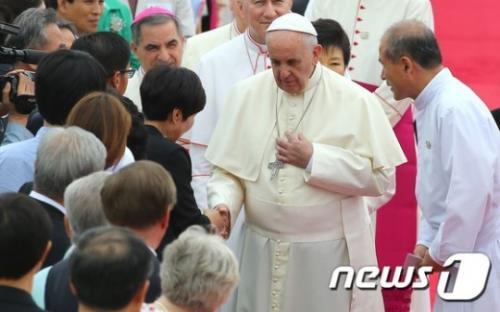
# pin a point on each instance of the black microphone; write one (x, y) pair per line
(10, 56)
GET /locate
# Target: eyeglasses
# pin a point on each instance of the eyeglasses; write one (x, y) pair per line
(130, 72)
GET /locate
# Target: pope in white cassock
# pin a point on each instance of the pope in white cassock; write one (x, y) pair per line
(458, 181)
(299, 146)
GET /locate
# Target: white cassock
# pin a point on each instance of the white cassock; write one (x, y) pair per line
(301, 225)
(182, 9)
(202, 43)
(219, 70)
(133, 88)
(458, 181)
(365, 22)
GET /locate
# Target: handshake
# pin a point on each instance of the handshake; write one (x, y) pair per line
(221, 219)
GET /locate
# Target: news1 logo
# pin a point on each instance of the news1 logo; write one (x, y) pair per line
(463, 283)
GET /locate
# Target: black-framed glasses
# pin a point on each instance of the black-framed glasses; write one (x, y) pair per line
(129, 71)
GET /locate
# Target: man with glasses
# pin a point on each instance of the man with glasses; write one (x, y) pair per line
(113, 52)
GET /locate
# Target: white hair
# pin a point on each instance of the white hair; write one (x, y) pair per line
(82, 200)
(198, 270)
(65, 155)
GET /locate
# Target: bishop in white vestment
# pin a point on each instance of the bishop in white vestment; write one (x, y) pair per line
(219, 70)
(301, 223)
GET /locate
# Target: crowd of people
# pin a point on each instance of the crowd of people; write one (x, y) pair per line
(145, 167)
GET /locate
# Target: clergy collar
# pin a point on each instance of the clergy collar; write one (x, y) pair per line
(233, 30)
(315, 77)
(254, 45)
(49, 201)
(430, 89)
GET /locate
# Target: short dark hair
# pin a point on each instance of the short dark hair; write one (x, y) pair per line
(165, 88)
(414, 39)
(138, 196)
(25, 230)
(53, 3)
(331, 34)
(62, 78)
(108, 267)
(110, 49)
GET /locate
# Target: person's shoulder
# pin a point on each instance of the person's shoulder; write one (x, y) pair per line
(258, 83)
(225, 50)
(15, 150)
(208, 36)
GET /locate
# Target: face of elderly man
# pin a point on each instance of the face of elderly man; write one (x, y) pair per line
(259, 14)
(159, 44)
(293, 57)
(396, 73)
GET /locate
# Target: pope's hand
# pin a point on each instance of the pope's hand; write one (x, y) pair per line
(294, 150)
(220, 218)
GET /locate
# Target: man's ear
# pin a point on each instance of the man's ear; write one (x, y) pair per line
(67, 227)
(62, 6)
(116, 80)
(317, 53)
(140, 296)
(407, 64)
(133, 46)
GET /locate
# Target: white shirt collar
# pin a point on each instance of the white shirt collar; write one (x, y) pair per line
(254, 45)
(430, 89)
(47, 200)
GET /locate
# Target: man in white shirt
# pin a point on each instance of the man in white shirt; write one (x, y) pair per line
(458, 181)
(157, 39)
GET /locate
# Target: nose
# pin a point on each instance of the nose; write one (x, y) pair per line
(97, 8)
(269, 10)
(164, 55)
(382, 74)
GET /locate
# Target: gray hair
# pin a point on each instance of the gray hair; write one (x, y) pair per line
(65, 155)
(414, 39)
(198, 270)
(82, 200)
(153, 20)
(310, 40)
(32, 25)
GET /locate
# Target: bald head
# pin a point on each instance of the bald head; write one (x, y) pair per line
(413, 39)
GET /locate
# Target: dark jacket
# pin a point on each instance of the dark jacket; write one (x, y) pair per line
(176, 160)
(16, 300)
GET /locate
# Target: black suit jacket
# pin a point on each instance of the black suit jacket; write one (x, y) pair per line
(58, 295)
(60, 240)
(16, 300)
(176, 160)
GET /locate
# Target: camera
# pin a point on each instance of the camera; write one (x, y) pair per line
(22, 94)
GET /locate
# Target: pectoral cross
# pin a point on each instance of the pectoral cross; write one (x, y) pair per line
(275, 167)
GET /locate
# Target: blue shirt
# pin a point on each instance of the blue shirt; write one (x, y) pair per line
(17, 162)
(15, 133)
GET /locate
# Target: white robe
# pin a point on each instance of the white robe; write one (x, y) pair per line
(300, 226)
(199, 45)
(365, 22)
(458, 180)
(219, 70)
